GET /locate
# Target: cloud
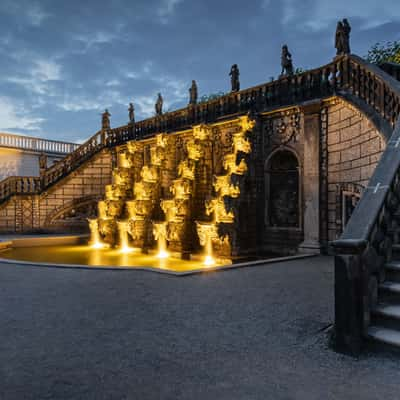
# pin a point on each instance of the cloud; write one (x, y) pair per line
(30, 12)
(166, 9)
(14, 117)
(38, 78)
(36, 14)
(317, 14)
(95, 38)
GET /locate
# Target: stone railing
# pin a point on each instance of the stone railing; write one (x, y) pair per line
(345, 76)
(392, 69)
(18, 184)
(36, 144)
(366, 243)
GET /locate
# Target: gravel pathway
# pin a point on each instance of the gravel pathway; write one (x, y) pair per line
(251, 333)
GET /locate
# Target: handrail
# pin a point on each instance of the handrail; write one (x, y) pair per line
(345, 75)
(36, 144)
(18, 185)
(366, 243)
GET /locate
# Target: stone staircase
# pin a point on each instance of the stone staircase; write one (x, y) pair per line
(385, 316)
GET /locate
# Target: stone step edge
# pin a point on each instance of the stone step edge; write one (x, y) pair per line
(385, 335)
(382, 310)
(390, 286)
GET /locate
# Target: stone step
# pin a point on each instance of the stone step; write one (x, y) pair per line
(387, 310)
(386, 315)
(390, 286)
(384, 335)
(389, 292)
(393, 271)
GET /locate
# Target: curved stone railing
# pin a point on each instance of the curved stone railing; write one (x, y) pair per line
(345, 76)
(366, 243)
(36, 144)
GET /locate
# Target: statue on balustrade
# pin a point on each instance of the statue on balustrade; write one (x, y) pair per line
(286, 61)
(193, 93)
(234, 74)
(131, 111)
(342, 37)
(159, 104)
(42, 162)
(105, 119)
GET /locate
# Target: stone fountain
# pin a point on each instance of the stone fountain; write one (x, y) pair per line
(164, 192)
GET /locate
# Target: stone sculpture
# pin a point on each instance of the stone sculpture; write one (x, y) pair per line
(105, 119)
(159, 104)
(342, 37)
(234, 74)
(131, 111)
(286, 61)
(193, 93)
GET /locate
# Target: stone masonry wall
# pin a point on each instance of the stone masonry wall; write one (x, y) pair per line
(354, 148)
(62, 206)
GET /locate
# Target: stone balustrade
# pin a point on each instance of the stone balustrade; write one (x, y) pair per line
(36, 144)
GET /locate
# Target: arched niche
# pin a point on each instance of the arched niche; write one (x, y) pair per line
(282, 190)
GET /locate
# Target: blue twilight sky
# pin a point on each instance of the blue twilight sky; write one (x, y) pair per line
(63, 62)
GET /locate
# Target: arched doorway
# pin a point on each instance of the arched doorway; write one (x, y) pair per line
(283, 190)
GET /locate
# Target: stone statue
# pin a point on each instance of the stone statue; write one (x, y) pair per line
(234, 74)
(159, 104)
(286, 61)
(342, 37)
(131, 111)
(42, 162)
(193, 93)
(105, 119)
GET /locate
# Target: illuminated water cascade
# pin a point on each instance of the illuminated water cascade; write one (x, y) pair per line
(161, 185)
(123, 237)
(160, 234)
(95, 240)
(207, 233)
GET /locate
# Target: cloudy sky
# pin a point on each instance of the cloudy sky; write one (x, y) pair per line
(63, 62)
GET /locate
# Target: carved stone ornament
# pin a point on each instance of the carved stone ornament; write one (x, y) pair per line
(284, 128)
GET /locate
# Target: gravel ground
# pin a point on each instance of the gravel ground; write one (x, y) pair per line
(251, 333)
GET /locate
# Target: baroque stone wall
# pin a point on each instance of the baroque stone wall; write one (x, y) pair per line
(336, 147)
(65, 205)
(354, 148)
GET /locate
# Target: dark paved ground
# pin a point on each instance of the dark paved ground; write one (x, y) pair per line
(253, 333)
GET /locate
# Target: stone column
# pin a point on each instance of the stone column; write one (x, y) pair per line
(311, 179)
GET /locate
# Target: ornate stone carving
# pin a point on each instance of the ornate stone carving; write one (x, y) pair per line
(284, 128)
(224, 187)
(181, 188)
(217, 208)
(241, 143)
(202, 132)
(233, 168)
(149, 174)
(186, 170)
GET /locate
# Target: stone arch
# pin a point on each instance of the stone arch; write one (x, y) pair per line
(73, 214)
(283, 189)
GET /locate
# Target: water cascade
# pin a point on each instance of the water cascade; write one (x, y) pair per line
(163, 193)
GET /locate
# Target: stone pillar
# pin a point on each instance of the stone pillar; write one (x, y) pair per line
(311, 179)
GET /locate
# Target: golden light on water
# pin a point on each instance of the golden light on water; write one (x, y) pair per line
(162, 254)
(209, 261)
(98, 245)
